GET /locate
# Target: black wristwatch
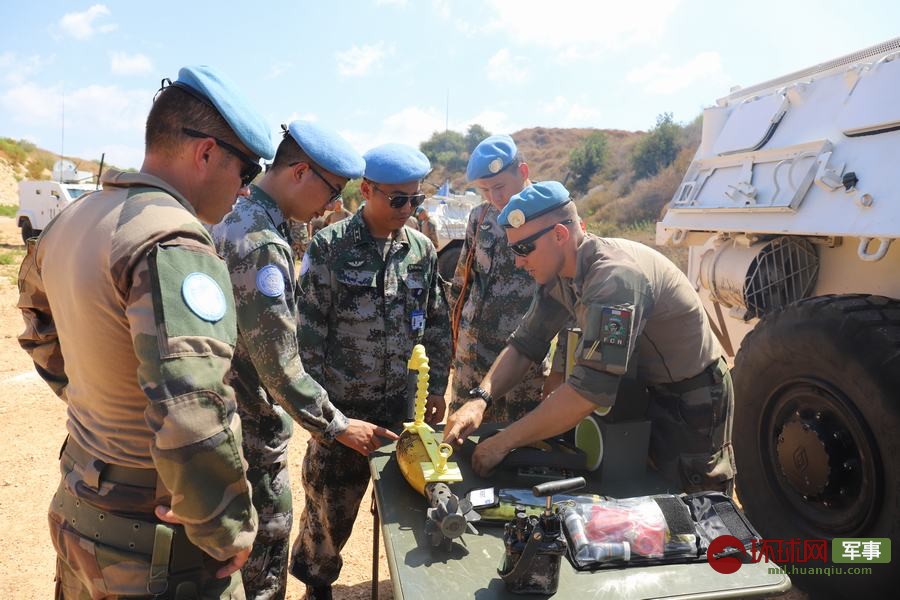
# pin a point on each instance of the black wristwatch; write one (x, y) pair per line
(477, 392)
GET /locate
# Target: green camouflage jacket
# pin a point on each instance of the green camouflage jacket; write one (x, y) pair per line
(267, 371)
(360, 317)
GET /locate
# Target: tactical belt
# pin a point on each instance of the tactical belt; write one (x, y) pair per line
(711, 375)
(96, 470)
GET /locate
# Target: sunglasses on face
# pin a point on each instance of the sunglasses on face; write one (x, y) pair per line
(251, 167)
(526, 246)
(400, 200)
(336, 192)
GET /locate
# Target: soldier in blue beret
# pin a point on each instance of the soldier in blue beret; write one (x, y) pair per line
(131, 279)
(370, 291)
(485, 272)
(311, 167)
(639, 315)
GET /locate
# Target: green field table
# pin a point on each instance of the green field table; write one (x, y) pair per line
(469, 569)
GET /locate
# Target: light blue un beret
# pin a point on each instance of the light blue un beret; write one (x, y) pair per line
(396, 163)
(490, 157)
(247, 124)
(331, 151)
(532, 202)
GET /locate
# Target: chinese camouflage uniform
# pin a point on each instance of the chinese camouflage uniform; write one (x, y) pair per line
(498, 296)
(360, 316)
(129, 317)
(268, 377)
(669, 346)
(299, 237)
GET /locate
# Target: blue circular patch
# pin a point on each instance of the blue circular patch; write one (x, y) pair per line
(204, 297)
(270, 281)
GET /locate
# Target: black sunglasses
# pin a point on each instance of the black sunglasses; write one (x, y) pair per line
(336, 192)
(400, 200)
(251, 167)
(526, 246)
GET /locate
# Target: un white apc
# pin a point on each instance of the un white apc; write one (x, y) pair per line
(40, 201)
(791, 213)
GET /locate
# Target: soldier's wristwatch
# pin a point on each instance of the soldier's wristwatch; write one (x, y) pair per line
(477, 392)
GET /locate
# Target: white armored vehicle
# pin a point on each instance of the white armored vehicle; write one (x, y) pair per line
(40, 201)
(790, 211)
(450, 215)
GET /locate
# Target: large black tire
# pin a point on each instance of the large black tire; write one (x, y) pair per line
(817, 429)
(447, 261)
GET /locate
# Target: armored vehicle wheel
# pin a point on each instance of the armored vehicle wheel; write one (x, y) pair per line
(27, 231)
(817, 417)
(447, 261)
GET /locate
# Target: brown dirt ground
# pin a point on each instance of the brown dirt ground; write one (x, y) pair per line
(32, 428)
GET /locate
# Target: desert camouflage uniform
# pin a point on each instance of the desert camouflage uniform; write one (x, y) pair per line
(113, 327)
(360, 316)
(498, 296)
(268, 378)
(670, 350)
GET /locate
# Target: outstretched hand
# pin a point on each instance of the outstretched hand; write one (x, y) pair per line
(365, 437)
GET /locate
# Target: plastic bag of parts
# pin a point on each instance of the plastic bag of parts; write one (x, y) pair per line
(614, 532)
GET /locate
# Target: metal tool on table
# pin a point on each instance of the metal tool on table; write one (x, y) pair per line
(423, 462)
(535, 545)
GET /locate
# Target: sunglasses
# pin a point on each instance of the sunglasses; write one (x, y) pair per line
(336, 192)
(526, 246)
(251, 167)
(400, 200)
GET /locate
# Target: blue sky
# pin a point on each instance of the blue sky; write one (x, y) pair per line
(380, 70)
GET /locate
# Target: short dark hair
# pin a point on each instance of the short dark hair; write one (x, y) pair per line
(174, 109)
(289, 152)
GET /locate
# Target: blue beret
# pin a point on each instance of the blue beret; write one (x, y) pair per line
(247, 124)
(532, 202)
(396, 163)
(490, 157)
(328, 149)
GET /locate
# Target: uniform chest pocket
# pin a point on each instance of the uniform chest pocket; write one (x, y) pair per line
(356, 294)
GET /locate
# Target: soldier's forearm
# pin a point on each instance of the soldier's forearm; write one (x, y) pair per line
(507, 371)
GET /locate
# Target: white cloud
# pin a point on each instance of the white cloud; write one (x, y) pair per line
(81, 25)
(361, 60)
(278, 69)
(568, 113)
(660, 77)
(94, 109)
(578, 28)
(503, 67)
(16, 69)
(122, 63)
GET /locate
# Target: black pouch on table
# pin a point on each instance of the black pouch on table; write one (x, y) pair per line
(651, 530)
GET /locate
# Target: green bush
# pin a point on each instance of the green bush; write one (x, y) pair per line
(657, 149)
(587, 159)
(8, 210)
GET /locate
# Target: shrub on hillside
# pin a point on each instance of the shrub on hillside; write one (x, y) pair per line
(657, 149)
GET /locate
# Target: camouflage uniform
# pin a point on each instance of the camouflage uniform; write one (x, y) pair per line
(498, 295)
(668, 347)
(129, 317)
(268, 377)
(360, 316)
(299, 237)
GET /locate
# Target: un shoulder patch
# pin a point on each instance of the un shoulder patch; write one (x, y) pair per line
(204, 297)
(269, 281)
